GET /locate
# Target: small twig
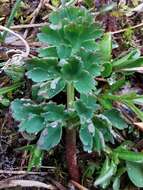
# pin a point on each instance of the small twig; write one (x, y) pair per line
(15, 27)
(35, 14)
(48, 5)
(77, 185)
(25, 183)
(125, 29)
(21, 172)
(56, 183)
(45, 24)
(27, 48)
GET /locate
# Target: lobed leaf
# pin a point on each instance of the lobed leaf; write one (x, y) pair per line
(50, 137)
(32, 124)
(51, 88)
(84, 83)
(135, 173)
(72, 69)
(83, 111)
(40, 70)
(48, 52)
(116, 119)
(54, 112)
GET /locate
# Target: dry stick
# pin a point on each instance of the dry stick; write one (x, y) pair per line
(25, 183)
(48, 5)
(15, 27)
(57, 184)
(21, 172)
(35, 14)
(27, 48)
(78, 186)
(123, 30)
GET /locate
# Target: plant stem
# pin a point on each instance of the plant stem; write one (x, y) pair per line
(70, 96)
(71, 156)
(12, 15)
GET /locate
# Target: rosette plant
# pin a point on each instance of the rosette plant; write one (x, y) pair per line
(77, 53)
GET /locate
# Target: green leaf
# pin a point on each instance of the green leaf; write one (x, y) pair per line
(70, 14)
(50, 137)
(18, 112)
(11, 88)
(104, 170)
(90, 31)
(89, 170)
(116, 183)
(76, 34)
(98, 140)
(38, 75)
(129, 64)
(21, 109)
(16, 73)
(106, 47)
(89, 3)
(105, 102)
(116, 119)
(40, 70)
(34, 93)
(89, 45)
(48, 52)
(128, 155)
(51, 88)
(135, 173)
(107, 175)
(50, 36)
(138, 100)
(131, 56)
(36, 158)
(90, 62)
(104, 128)
(54, 112)
(4, 101)
(33, 124)
(84, 83)
(117, 85)
(83, 111)
(72, 34)
(43, 63)
(107, 70)
(90, 101)
(64, 51)
(86, 138)
(72, 69)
